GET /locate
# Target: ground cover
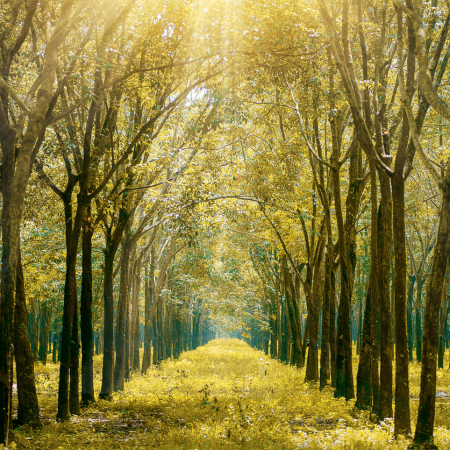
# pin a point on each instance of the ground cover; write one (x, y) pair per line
(221, 395)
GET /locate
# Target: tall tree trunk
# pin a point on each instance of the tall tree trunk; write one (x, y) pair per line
(296, 330)
(156, 336)
(305, 338)
(148, 286)
(427, 399)
(69, 366)
(87, 333)
(359, 326)
(344, 370)
(55, 348)
(74, 394)
(32, 326)
(70, 297)
(122, 312)
(279, 324)
(402, 410)
(412, 282)
(332, 338)
(314, 304)
(443, 319)
(364, 389)
(15, 176)
(137, 332)
(384, 255)
(126, 363)
(273, 329)
(28, 411)
(325, 375)
(11, 218)
(108, 321)
(418, 321)
(44, 326)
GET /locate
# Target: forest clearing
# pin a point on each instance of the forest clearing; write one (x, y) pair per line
(221, 395)
(174, 172)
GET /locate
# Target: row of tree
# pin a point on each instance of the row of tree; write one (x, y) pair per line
(235, 166)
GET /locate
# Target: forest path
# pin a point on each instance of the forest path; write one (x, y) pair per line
(224, 394)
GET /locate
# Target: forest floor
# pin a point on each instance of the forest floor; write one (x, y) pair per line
(222, 395)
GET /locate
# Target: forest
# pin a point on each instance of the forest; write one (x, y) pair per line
(225, 224)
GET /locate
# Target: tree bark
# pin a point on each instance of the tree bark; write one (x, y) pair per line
(148, 283)
(74, 394)
(156, 337)
(68, 364)
(427, 399)
(384, 255)
(112, 243)
(325, 375)
(412, 282)
(296, 330)
(87, 333)
(28, 411)
(332, 338)
(44, 327)
(137, 324)
(442, 321)
(418, 321)
(32, 326)
(122, 312)
(108, 321)
(364, 389)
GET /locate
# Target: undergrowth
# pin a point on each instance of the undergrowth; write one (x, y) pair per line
(222, 395)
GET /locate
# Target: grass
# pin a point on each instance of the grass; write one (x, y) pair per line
(222, 395)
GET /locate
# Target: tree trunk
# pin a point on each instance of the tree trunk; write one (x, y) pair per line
(32, 326)
(364, 390)
(332, 338)
(148, 286)
(314, 304)
(296, 331)
(412, 282)
(122, 313)
(305, 342)
(112, 243)
(325, 344)
(69, 363)
(156, 337)
(44, 326)
(108, 322)
(402, 410)
(418, 324)
(273, 330)
(74, 395)
(279, 324)
(443, 318)
(359, 328)
(126, 363)
(344, 370)
(135, 363)
(28, 411)
(137, 331)
(55, 348)
(427, 399)
(87, 333)
(384, 256)
(15, 175)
